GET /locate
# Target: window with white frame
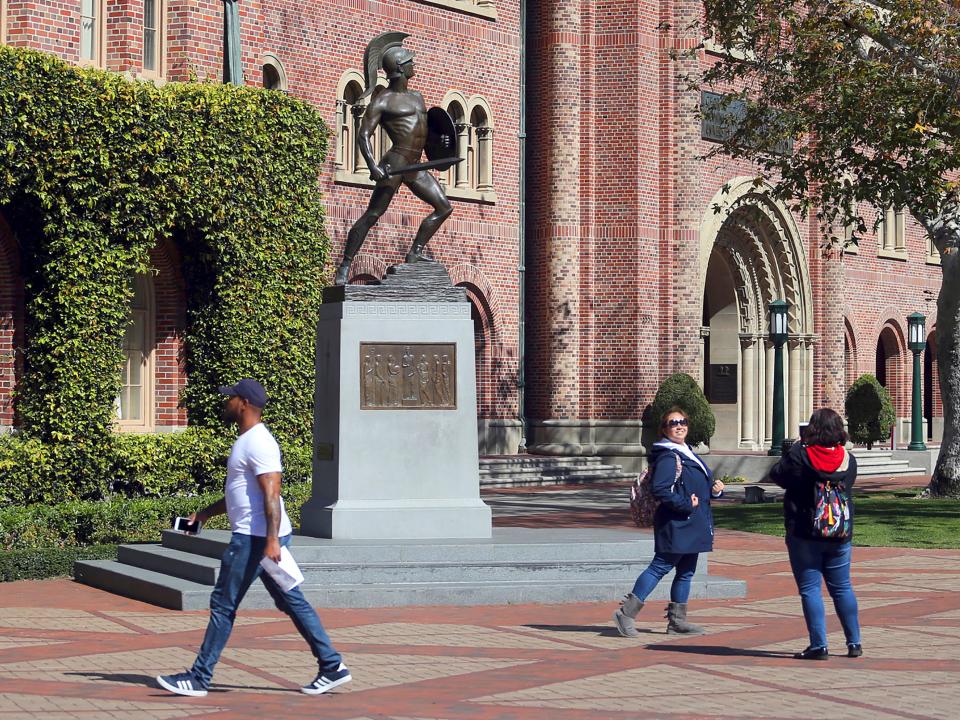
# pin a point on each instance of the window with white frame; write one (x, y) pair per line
(135, 403)
(472, 177)
(891, 233)
(154, 36)
(483, 8)
(349, 163)
(274, 75)
(933, 255)
(92, 21)
(482, 171)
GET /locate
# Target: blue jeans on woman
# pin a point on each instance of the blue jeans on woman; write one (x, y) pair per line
(661, 564)
(239, 567)
(811, 561)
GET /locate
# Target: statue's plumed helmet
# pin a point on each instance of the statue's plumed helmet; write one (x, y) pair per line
(393, 58)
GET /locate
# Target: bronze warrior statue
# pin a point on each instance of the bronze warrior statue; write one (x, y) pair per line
(412, 129)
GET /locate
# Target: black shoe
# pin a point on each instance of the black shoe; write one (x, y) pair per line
(813, 653)
(854, 650)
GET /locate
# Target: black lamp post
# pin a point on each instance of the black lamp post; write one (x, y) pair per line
(917, 342)
(778, 336)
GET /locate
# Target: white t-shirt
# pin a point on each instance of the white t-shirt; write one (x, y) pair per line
(254, 453)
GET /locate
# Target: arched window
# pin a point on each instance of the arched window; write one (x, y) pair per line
(482, 171)
(350, 165)
(458, 175)
(135, 403)
(472, 177)
(274, 76)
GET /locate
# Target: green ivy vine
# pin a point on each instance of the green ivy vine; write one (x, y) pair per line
(95, 169)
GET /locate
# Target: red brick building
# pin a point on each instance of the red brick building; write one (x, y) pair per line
(609, 228)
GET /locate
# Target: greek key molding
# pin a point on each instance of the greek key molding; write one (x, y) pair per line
(400, 309)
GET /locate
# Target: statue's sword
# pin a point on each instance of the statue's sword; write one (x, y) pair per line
(441, 164)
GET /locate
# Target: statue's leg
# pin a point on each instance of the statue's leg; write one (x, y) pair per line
(426, 187)
(382, 195)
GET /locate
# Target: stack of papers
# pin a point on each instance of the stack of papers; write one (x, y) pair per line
(285, 573)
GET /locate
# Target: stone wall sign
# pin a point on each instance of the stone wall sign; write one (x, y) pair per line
(408, 376)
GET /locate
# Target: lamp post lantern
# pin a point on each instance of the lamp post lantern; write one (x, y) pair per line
(778, 336)
(917, 342)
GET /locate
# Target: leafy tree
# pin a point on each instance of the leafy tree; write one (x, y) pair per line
(867, 92)
(682, 390)
(869, 411)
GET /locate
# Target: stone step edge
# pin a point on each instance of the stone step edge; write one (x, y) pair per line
(177, 594)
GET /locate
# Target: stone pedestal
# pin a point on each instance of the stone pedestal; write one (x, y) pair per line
(395, 420)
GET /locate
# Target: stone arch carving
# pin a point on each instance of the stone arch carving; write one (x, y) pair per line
(763, 247)
(776, 244)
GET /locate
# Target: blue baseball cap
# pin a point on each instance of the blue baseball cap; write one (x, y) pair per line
(249, 389)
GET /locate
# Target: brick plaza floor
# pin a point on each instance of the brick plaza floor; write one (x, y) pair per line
(68, 651)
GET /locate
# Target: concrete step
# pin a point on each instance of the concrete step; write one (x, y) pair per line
(515, 565)
(178, 563)
(509, 470)
(489, 461)
(892, 469)
(506, 545)
(179, 594)
(530, 470)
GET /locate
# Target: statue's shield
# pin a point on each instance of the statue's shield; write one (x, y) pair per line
(441, 135)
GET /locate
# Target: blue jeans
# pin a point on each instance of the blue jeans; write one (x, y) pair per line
(812, 560)
(661, 564)
(239, 567)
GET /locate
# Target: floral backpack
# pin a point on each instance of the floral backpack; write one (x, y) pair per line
(831, 511)
(643, 504)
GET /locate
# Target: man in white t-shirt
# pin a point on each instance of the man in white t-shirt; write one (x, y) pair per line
(261, 527)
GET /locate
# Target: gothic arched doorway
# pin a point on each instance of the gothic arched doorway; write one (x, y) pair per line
(756, 256)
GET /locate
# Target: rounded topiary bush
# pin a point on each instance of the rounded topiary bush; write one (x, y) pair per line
(683, 391)
(869, 411)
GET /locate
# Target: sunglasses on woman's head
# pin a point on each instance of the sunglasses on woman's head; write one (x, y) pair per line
(682, 422)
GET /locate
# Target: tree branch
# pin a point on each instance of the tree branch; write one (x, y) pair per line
(902, 50)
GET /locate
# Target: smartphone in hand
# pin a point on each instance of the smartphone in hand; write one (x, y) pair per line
(185, 526)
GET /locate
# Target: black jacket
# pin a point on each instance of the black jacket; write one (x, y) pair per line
(678, 526)
(795, 474)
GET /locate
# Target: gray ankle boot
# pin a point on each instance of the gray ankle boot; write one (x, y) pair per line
(625, 614)
(677, 621)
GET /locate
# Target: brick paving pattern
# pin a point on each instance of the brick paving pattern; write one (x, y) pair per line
(68, 651)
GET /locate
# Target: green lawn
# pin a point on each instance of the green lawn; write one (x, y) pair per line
(882, 520)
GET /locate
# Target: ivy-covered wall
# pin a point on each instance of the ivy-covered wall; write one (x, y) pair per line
(94, 170)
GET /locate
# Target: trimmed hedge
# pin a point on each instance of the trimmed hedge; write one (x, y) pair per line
(96, 171)
(40, 563)
(682, 390)
(83, 523)
(190, 462)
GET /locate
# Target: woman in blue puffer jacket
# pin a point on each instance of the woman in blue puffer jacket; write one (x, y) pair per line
(683, 525)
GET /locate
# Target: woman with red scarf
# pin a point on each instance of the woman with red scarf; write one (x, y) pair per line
(818, 474)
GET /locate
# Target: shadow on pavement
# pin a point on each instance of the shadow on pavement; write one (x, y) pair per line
(601, 630)
(720, 651)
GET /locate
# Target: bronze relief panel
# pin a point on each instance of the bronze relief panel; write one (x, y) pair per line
(408, 376)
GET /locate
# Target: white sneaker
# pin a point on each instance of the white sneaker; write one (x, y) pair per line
(327, 681)
(182, 684)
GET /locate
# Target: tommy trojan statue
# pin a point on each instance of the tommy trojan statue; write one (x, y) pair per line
(412, 129)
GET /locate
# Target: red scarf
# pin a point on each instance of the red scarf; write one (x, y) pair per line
(825, 459)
